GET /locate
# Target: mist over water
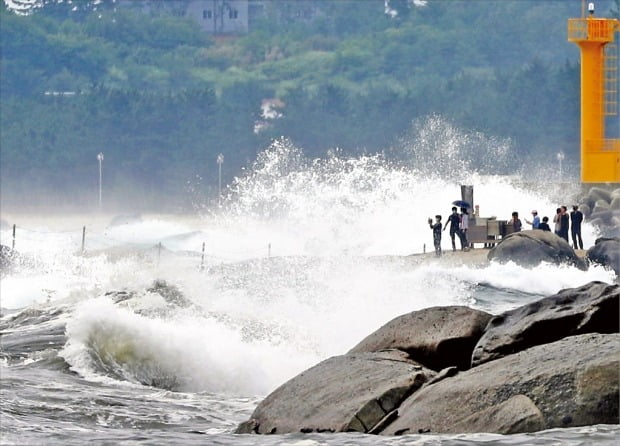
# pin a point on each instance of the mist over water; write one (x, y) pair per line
(303, 259)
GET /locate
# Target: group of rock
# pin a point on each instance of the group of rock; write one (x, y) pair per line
(550, 363)
(531, 248)
(601, 207)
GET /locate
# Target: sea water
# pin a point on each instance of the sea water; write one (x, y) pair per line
(146, 339)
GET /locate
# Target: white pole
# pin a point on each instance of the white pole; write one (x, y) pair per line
(220, 161)
(100, 159)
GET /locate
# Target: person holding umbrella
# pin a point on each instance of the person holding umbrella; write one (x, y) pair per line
(464, 223)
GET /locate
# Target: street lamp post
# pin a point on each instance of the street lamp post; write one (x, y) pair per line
(220, 161)
(100, 159)
(560, 157)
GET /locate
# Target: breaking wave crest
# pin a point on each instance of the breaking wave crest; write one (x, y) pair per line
(184, 352)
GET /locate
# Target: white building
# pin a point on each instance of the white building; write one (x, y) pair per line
(220, 16)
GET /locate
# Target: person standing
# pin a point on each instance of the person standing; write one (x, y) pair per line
(436, 234)
(454, 221)
(556, 221)
(515, 222)
(564, 223)
(463, 227)
(544, 225)
(535, 221)
(576, 217)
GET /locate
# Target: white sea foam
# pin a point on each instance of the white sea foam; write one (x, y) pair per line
(189, 353)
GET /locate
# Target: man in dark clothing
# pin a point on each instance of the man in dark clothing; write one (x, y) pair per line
(576, 217)
(436, 234)
(454, 221)
(564, 223)
(515, 222)
(545, 224)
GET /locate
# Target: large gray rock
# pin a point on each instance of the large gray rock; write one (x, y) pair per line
(602, 215)
(606, 251)
(597, 193)
(345, 393)
(530, 248)
(592, 308)
(437, 337)
(572, 382)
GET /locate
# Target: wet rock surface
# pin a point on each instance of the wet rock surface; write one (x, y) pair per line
(344, 393)
(550, 363)
(592, 308)
(606, 252)
(572, 382)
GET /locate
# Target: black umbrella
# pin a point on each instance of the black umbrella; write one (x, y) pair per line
(461, 203)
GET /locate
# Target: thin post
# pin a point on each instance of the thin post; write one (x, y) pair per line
(13, 244)
(100, 159)
(158, 253)
(583, 9)
(424, 249)
(202, 260)
(269, 250)
(220, 161)
(83, 238)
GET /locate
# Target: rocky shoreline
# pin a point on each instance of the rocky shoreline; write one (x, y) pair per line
(551, 363)
(601, 207)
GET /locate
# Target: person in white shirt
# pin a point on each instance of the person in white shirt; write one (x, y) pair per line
(535, 221)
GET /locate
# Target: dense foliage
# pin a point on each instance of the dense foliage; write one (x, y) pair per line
(161, 98)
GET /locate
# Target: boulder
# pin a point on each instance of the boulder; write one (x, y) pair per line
(604, 216)
(597, 193)
(530, 248)
(354, 392)
(601, 204)
(592, 308)
(606, 251)
(568, 383)
(436, 337)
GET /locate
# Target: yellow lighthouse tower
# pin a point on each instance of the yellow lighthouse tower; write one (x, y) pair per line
(600, 157)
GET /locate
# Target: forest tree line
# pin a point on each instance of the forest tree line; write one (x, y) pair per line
(161, 99)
